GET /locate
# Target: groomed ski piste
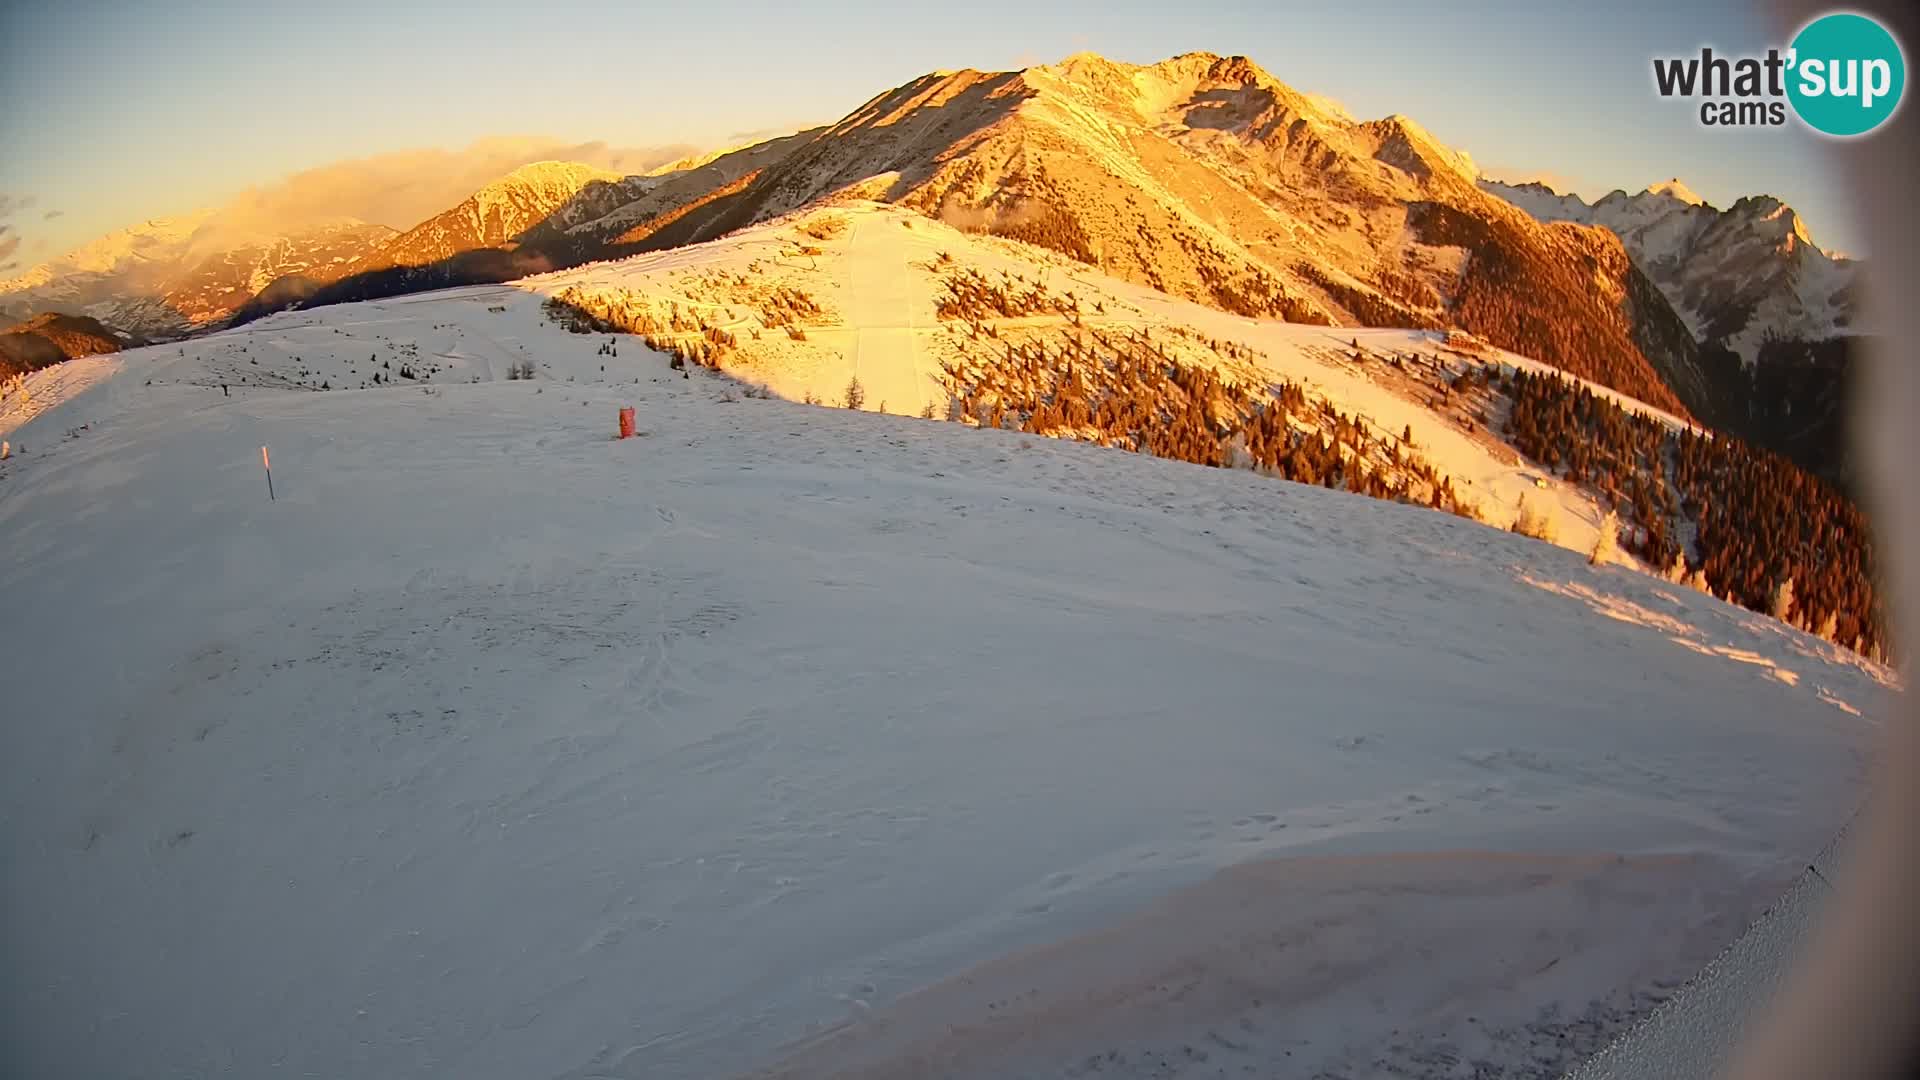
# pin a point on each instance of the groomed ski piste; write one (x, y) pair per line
(786, 740)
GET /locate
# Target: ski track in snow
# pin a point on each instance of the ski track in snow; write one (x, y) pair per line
(815, 743)
(881, 302)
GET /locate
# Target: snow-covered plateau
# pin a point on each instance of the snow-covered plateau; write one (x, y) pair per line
(797, 741)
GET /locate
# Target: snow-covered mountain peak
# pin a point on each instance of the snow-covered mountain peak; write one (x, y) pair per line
(1541, 200)
(1330, 107)
(497, 214)
(1185, 66)
(110, 250)
(1079, 63)
(1216, 91)
(544, 177)
(1736, 276)
(1675, 189)
(1205, 91)
(1408, 146)
(157, 239)
(1776, 220)
(1214, 68)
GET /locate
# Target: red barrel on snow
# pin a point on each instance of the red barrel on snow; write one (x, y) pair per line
(626, 422)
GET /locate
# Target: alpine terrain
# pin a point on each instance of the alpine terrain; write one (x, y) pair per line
(1119, 571)
(1775, 314)
(473, 241)
(1208, 179)
(788, 740)
(118, 278)
(171, 277)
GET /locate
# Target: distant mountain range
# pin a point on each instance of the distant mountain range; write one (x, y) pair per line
(1738, 277)
(472, 241)
(163, 279)
(121, 278)
(493, 217)
(1202, 176)
(1776, 316)
(217, 285)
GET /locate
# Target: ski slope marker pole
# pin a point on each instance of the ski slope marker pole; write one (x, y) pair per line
(267, 464)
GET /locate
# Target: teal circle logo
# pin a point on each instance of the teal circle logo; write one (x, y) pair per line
(1847, 74)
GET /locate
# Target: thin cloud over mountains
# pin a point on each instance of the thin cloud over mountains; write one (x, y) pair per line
(401, 188)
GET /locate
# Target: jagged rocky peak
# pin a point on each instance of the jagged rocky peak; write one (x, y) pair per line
(1673, 188)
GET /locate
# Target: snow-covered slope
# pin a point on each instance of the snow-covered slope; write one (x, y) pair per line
(1737, 276)
(877, 273)
(827, 743)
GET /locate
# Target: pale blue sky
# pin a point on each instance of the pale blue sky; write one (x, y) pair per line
(115, 112)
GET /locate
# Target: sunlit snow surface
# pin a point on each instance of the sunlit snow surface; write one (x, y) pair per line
(820, 743)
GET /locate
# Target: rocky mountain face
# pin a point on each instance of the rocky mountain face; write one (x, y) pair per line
(1207, 178)
(1774, 316)
(1738, 277)
(213, 288)
(493, 217)
(611, 219)
(479, 240)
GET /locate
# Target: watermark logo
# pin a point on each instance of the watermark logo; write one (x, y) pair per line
(1851, 74)
(1843, 75)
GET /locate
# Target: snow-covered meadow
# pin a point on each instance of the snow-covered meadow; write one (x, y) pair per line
(810, 742)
